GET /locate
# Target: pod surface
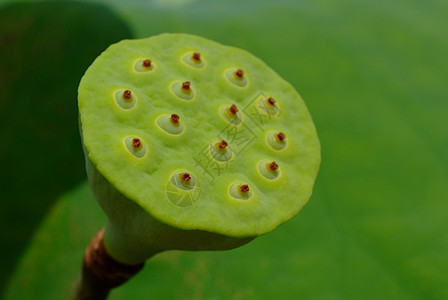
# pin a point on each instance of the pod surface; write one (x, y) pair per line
(181, 172)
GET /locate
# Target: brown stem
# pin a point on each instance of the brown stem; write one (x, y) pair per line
(100, 272)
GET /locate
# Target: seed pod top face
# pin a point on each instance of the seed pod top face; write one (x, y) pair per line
(152, 174)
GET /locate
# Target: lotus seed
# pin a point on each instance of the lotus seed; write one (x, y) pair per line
(280, 136)
(185, 177)
(194, 60)
(136, 143)
(244, 188)
(127, 95)
(276, 140)
(220, 151)
(233, 109)
(125, 99)
(269, 106)
(237, 77)
(222, 145)
(239, 73)
(135, 146)
(183, 180)
(144, 65)
(182, 189)
(196, 56)
(170, 124)
(273, 166)
(240, 191)
(183, 89)
(186, 85)
(174, 119)
(231, 114)
(269, 170)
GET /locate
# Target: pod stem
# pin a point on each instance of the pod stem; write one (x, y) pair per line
(100, 272)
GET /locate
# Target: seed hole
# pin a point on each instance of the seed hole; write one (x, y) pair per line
(241, 191)
(239, 74)
(269, 106)
(183, 89)
(194, 59)
(127, 95)
(186, 86)
(174, 119)
(135, 146)
(144, 65)
(183, 180)
(237, 77)
(232, 114)
(269, 169)
(220, 151)
(277, 140)
(280, 136)
(170, 124)
(125, 99)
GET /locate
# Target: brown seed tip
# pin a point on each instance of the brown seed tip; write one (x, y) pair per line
(136, 143)
(273, 166)
(244, 188)
(186, 85)
(239, 73)
(233, 109)
(185, 177)
(174, 118)
(222, 145)
(196, 56)
(147, 63)
(271, 101)
(127, 94)
(281, 136)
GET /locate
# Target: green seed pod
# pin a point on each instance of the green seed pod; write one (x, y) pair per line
(192, 145)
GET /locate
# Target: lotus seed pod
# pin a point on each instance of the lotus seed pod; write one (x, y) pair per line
(192, 145)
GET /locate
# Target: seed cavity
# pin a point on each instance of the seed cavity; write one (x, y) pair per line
(240, 191)
(269, 169)
(231, 114)
(135, 146)
(236, 77)
(144, 65)
(125, 99)
(183, 89)
(220, 151)
(194, 59)
(183, 180)
(170, 124)
(277, 140)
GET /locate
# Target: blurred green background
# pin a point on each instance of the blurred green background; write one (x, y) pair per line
(374, 76)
